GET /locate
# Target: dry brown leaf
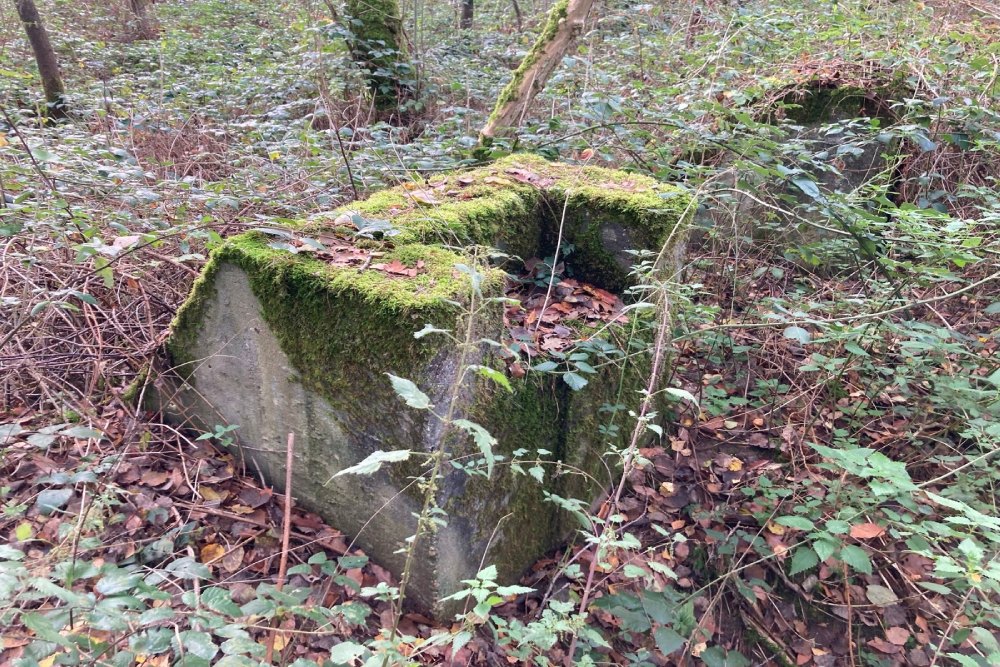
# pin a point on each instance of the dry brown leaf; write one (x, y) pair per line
(154, 478)
(897, 635)
(882, 646)
(211, 495)
(867, 531)
(233, 560)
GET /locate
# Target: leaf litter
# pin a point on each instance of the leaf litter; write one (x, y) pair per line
(545, 316)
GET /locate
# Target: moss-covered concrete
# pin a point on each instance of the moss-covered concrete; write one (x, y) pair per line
(279, 342)
(517, 204)
(825, 103)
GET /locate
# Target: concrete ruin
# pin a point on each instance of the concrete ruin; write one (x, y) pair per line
(294, 330)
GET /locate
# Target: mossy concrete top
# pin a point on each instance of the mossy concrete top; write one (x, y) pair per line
(517, 203)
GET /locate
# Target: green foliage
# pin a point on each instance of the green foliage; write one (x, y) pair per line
(216, 127)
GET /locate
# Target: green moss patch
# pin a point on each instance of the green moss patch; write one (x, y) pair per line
(520, 203)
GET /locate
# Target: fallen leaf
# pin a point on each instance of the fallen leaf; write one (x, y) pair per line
(255, 497)
(154, 478)
(425, 197)
(212, 552)
(883, 646)
(232, 561)
(897, 635)
(123, 242)
(867, 531)
(212, 496)
(881, 596)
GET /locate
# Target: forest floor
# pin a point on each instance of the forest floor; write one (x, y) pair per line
(832, 498)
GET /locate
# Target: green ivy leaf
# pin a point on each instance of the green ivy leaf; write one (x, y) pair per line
(494, 375)
(808, 187)
(50, 500)
(23, 532)
(199, 644)
(825, 546)
(220, 600)
(797, 333)
(575, 381)
(82, 433)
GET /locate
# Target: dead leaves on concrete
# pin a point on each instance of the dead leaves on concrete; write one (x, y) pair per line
(545, 317)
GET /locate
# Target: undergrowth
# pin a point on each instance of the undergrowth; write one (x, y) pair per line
(822, 488)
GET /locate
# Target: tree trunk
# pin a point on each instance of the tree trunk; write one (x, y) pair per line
(378, 46)
(517, 15)
(564, 22)
(45, 57)
(147, 27)
(468, 7)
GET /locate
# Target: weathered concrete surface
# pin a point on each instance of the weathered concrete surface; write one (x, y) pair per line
(276, 342)
(823, 119)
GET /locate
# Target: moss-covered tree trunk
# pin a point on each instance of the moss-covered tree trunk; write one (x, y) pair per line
(565, 20)
(379, 47)
(146, 25)
(45, 57)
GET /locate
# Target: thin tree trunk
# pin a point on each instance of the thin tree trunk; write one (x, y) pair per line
(468, 8)
(517, 15)
(333, 10)
(564, 22)
(147, 27)
(45, 57)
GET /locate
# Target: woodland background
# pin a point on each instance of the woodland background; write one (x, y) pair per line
(825, 488)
